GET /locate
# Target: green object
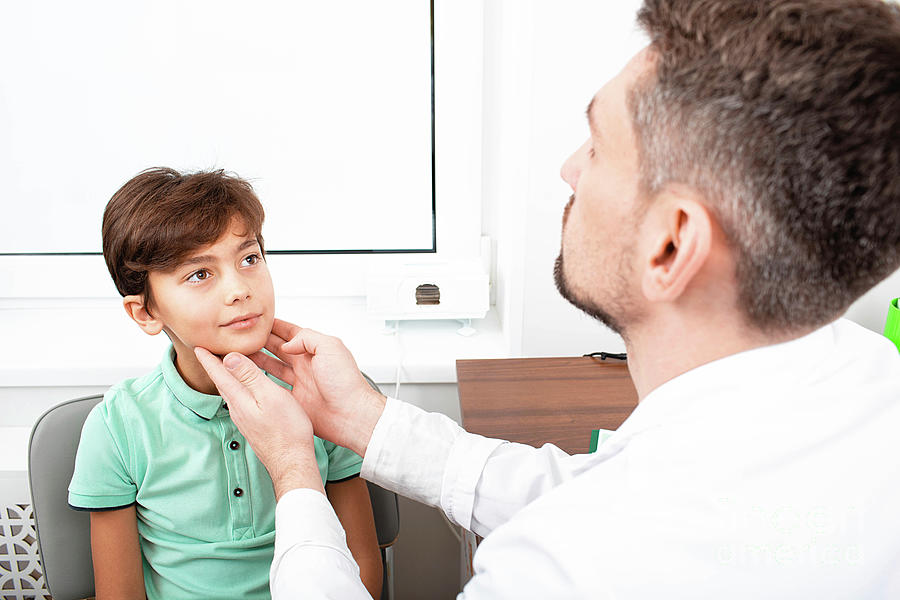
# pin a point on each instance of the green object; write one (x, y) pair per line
(598, 436)
(892, 325)
(205, 505)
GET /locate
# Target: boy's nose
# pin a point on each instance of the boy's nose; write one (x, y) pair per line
(239, 296)
(238, 290)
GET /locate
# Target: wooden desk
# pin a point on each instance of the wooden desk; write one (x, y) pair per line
(541, 400)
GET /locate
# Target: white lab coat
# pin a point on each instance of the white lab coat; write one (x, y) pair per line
(773, 473)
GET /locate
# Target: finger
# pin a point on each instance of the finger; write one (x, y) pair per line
(284, 330)
(245, 371)
(306, 341)
(232, 390)
(274, 344)
(273, 366)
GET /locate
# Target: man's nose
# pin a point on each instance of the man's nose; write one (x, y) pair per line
(571, 169)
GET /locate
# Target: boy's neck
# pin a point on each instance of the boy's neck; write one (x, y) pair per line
(193, 372)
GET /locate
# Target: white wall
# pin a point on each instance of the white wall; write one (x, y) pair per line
(543, 63)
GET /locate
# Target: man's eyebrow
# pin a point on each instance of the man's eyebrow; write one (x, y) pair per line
(205, 258)
(587, 113)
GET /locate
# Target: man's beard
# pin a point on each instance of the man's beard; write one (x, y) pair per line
(589, 308)
(559, 277)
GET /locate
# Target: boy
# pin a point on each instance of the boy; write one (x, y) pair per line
(180, 505)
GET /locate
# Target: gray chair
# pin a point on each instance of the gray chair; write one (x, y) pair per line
(64, 535)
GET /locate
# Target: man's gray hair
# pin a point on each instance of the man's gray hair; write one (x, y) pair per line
(785, 115)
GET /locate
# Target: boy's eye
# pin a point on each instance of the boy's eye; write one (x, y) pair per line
(251, 259)
(198, 276)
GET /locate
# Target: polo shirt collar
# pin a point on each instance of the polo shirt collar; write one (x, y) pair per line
(203, 405)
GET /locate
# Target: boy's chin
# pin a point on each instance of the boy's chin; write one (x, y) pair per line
(245, 347)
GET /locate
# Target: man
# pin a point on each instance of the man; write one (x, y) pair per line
(739, 189)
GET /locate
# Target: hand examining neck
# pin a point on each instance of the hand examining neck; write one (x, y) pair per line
(328, 395)
(326, 382)
(274, 425)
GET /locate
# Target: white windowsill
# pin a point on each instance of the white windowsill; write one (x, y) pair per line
(92, 342)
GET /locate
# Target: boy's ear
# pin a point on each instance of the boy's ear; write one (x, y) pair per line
(136, 308)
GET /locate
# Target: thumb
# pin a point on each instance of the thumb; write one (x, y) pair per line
(233, 390)
(243, 369)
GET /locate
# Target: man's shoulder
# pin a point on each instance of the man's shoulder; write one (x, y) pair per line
(865, 354)
(851, 332)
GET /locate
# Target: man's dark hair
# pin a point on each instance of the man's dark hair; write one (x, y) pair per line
(785, 114)
(160, 216)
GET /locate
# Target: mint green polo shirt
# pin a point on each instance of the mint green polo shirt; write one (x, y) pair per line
(205, 503)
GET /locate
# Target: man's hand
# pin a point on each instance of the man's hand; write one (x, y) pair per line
(327, 383)
(274, 424)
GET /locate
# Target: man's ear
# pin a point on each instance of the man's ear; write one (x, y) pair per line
(136, 308)
(680, 232)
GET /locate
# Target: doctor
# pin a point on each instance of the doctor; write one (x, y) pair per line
(740, 188)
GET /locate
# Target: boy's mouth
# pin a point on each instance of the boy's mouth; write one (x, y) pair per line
(243, 321)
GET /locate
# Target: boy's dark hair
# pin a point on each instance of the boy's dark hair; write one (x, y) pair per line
(160, 216)
(786, 115)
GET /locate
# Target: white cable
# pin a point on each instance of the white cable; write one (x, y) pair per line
(399, 363)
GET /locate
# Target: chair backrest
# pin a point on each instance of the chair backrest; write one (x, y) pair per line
(64, 535)
(386, 511)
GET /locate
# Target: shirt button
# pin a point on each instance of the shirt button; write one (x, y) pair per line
(234, 445)
(238, 492)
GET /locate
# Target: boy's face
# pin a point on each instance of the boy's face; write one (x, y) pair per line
(219, 298)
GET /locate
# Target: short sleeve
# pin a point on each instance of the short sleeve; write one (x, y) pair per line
(101, 480)
(342, 463)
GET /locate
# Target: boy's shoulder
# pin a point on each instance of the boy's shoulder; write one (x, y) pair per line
(126, 395)
(125, 407)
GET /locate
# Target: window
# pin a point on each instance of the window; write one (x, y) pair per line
(325, 107)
